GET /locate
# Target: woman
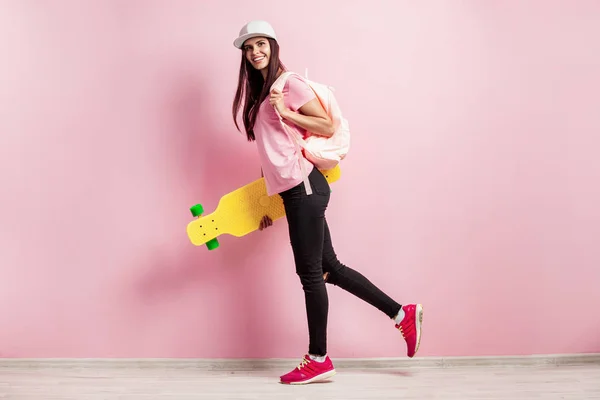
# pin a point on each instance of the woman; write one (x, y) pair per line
(314, 256)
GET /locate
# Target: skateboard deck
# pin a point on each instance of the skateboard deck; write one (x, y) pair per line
(240, 212)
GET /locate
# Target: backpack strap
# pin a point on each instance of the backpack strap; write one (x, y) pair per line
(279, 84)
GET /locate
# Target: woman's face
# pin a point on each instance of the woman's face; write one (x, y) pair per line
(258, 52)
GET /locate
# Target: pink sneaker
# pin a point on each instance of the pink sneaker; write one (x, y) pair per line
(410, 327)
(309, 371)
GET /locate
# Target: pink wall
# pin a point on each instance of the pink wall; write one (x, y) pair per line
(475, 124)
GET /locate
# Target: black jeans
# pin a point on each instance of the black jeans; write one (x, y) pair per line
(314, 256)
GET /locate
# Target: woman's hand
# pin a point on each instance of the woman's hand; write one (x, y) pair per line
(276, 101)
(265, 222)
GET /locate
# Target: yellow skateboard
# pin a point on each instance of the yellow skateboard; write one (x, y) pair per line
(239, 212)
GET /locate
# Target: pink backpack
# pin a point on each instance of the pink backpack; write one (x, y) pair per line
(324, 152)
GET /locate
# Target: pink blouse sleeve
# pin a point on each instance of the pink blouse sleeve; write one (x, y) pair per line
(299, 93)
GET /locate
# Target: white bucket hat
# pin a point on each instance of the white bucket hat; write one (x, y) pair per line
(254, 29)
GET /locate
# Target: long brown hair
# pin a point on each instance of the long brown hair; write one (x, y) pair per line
(254, 89)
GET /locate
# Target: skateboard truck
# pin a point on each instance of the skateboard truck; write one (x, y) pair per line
(197, 211)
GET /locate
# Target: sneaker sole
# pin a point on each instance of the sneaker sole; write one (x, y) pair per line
(419, 323)
(321, 377)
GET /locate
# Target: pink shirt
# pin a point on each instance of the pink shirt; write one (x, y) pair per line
(276, 149)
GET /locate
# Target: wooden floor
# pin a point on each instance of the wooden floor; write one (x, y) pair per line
(131, 383)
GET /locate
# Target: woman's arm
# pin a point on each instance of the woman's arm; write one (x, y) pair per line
(311, 116)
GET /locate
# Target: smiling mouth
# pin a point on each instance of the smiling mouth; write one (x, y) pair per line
(258, 59)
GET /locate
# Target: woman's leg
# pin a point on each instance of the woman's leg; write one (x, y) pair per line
(407, 319)
(306, 217)
(353, 281)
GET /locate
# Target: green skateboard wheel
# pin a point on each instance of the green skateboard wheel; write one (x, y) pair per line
(212, 244)
(197, 210)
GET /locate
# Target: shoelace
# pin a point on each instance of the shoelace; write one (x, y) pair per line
(401, 331)
(302, 363)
